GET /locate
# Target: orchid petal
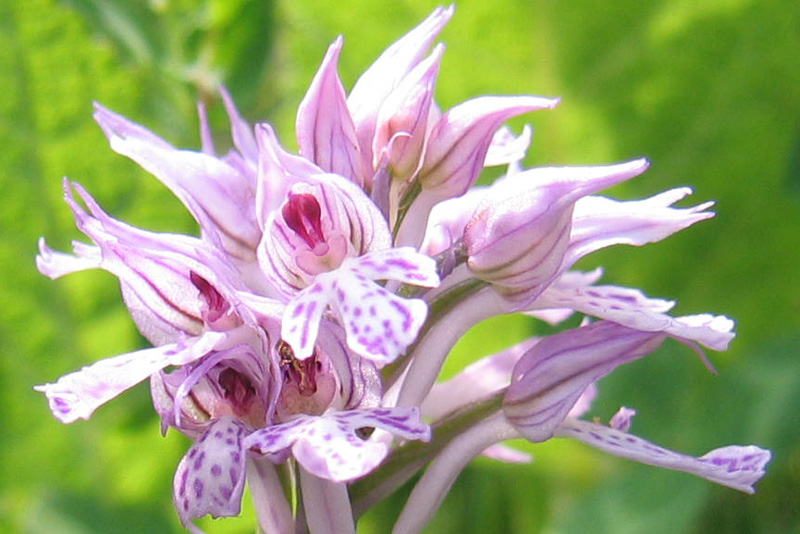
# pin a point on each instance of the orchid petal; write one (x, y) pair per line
(56, 264)
(379, 324)
(622, 420)
(325, 132)
(550, 378)
(375, 84)
(402, 264)
(154, 270)
(328, 446)
(76, 395)
(600, 222)
(631, 308)
(738, 467)
(402, 123)
(519, 233)
(569, 279)
(277, 171)
(322, 221)
(447, 220)
(459, 142)
(241, 132)
(217, 194)
(506, 148)
(210, 478)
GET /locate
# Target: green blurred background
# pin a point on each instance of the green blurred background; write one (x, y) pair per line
(708, 90)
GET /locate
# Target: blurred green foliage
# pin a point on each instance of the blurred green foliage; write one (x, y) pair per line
(709, 90)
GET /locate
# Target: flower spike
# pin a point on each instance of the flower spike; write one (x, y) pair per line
(299, 336)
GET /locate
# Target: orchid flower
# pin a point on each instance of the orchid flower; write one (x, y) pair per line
(298, 339)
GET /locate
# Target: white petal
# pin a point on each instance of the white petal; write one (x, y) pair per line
(734, 466)
(210, 478)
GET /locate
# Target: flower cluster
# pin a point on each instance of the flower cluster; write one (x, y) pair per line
(301, 334)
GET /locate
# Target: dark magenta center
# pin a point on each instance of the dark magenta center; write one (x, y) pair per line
(303, 215)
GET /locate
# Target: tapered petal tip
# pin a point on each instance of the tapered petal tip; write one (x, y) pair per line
(65, 405)
(738, 467)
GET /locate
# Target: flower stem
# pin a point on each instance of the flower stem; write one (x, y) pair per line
(272, 508)
(428, 355)
(326, 505)
(432, 488)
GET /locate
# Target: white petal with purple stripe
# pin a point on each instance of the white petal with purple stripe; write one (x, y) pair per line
(735, 466)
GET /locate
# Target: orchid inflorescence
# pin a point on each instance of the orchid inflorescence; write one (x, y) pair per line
(297, 341)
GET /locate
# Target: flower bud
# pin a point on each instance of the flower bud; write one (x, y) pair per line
(520, 231)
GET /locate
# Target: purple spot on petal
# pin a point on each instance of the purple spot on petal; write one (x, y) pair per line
(198, 462)
(182, 485)
(407, 319)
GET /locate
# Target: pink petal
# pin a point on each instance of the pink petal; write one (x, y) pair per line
(520, 231)
(325, 132)
(550, 378)
(599, 222)
(375, 84)
(218, 195)
(506, 149)
(56, 264)
(402, 264)
(403, 121)
(622, 420)
(459, 142)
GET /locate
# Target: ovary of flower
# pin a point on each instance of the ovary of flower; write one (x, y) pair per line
(379, 325)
